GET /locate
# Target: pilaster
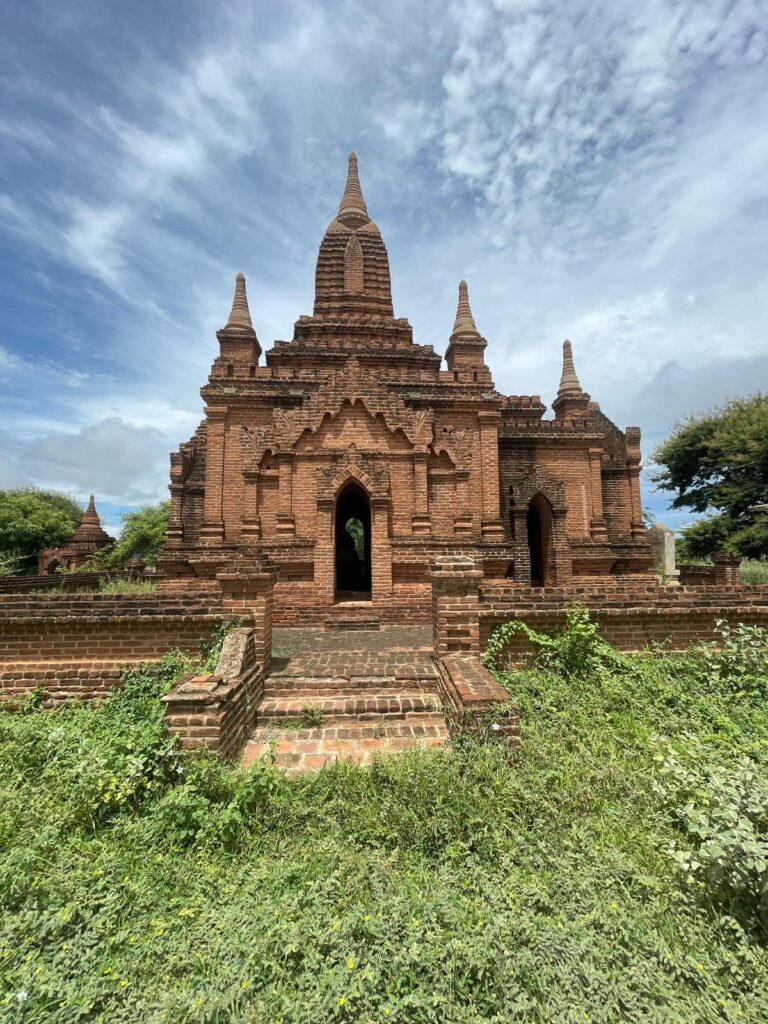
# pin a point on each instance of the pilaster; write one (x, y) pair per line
(421, 523)
(491, 525)
(285, 523)
(597, 527)
(462, 521)
(212, 529)
(381, 551)
(251, 526)
(325, 564)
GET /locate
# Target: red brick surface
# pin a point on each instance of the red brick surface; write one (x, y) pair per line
(72, 645)
(630, 616)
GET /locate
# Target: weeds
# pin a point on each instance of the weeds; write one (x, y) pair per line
(311, 717)
(754, 572)
(577, 651)
(119, 586)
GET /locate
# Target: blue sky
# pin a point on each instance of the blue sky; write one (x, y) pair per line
(596, 170)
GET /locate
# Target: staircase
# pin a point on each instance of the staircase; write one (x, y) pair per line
(348, 695)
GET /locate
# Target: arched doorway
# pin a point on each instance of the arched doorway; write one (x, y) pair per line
(353, 545)
(540, 540)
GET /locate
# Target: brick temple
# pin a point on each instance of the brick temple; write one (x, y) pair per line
(355, 456)
(87, 539)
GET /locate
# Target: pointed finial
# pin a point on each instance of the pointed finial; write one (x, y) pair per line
(90, 524)
(465, 322)
(90, 515)
(240, 315)
(569, 382)
(352, 209)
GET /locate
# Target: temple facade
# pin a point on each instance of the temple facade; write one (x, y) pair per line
(354, 457)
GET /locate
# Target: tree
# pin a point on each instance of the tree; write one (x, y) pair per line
(142, 536)
(31, 520)
(718, 464)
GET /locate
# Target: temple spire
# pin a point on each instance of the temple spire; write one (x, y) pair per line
(240, 315)
(352, 209)
(569, 382)
(90, 524)
(465, 322)
(91, 515)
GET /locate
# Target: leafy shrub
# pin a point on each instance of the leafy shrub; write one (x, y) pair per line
(722, 811)
(737, 659)
(577, 651)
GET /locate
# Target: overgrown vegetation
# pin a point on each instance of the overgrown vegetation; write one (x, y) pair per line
(753, 571)
(613, 870)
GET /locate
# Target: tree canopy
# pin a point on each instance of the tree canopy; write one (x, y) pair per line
(142, 536)
(31, 520)
(718, 464)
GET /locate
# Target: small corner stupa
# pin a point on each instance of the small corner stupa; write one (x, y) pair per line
(87, 539)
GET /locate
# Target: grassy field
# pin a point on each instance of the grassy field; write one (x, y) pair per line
(613, 870)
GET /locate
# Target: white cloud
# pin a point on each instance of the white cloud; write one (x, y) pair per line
(120, 463)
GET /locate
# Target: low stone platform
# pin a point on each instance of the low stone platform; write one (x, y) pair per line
(334, 695)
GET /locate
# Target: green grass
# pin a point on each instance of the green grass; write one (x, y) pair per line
(753, 571)
(108, 586)
(139, 884)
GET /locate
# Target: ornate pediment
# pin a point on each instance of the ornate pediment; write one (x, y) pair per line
(370, 472)
(538, 481)
(350, 384)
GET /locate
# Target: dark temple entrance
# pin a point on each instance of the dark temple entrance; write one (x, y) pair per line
(539, 522)
(353, 545)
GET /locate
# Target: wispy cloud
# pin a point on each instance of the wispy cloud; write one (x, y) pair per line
(595, 169)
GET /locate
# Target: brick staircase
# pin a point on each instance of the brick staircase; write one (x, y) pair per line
(347, 695)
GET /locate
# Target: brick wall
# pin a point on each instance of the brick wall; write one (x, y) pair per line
(455, 605)
(73, 645)
(724, 571)
(630, 616)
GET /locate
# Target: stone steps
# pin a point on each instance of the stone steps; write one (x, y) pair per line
(284, 684)
(353, 622)
(377, 691)
(309, 689)
(298, 750)
(405, 665)
(336, 707)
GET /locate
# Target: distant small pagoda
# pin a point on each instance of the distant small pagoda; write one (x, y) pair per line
(87, 539)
